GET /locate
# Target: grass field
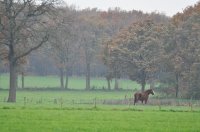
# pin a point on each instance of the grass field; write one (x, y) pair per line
(55, 110)
(74, 82)
(54, 120)
(32, 115)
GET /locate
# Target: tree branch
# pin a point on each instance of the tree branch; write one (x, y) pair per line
(45, 39)
(23, 6)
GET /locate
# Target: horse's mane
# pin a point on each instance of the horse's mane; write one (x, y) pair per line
(148, 90)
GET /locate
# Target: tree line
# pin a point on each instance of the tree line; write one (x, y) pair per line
(157, 52)
(112, 44)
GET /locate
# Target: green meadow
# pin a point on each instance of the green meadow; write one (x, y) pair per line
(46, 108)
(74, 82)
(94, 120)
(76, 111)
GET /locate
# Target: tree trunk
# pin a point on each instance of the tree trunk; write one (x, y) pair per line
(116, 83)
(108, 81)
(143, 86)
(22, 80)
(66, 80)
(61, 78)
(13, 83)
(88, 76)
(143, 80)
(177, 85)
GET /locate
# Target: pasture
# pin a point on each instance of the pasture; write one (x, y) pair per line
(83, 111)
(54, 110)
(74, 82)
(54, 120)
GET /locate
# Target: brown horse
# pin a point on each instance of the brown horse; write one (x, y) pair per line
(142, 96)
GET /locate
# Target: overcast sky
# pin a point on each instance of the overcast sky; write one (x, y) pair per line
(169, 7)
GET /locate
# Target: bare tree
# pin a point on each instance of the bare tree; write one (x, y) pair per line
(63, 43)
(24, 29)
(89, 45)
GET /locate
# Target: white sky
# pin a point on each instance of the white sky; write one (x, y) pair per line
(169, 7)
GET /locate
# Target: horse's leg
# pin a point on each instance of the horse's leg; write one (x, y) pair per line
(146, 100)
(135, 99)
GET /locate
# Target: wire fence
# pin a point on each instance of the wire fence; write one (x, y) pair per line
(94, 103)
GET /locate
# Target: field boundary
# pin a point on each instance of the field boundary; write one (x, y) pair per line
(61, 103)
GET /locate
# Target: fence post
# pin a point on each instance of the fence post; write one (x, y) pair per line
(73, 103)
(41, 100)
(24, 101)
(190, 104)
(55, 101)
(159, 104)
(61, 103)
(129, 102)
(95, 102)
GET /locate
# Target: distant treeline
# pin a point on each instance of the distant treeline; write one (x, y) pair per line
(144, 47)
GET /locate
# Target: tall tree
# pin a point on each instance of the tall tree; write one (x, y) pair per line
(182, 45)
(24, 30)
(64, 44)
(138, 49)
(89, 41)
(107, 62)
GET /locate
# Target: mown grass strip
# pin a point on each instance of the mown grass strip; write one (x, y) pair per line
(96, 120)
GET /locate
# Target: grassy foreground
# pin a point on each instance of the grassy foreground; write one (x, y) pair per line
(41, 120)
(67, 111)
(40, 113)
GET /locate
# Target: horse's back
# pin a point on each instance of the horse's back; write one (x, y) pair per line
(137, 94)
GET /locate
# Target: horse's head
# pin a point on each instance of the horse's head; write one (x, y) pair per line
(151, 91)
